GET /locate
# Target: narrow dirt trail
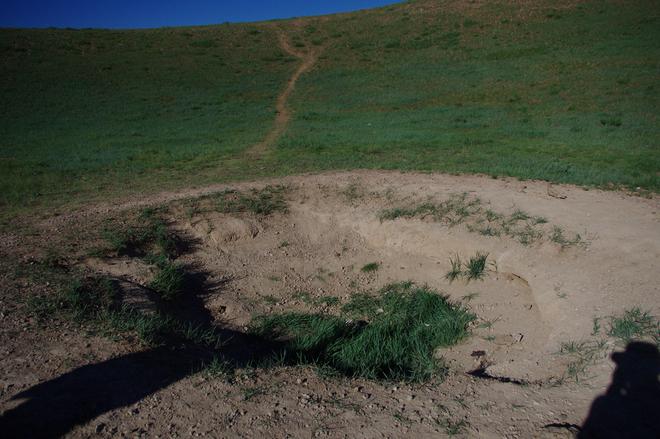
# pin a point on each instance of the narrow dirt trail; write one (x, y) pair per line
(283, 116)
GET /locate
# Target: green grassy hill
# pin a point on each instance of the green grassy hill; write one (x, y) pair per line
(564, 91)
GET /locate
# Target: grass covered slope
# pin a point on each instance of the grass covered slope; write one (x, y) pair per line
(563, 91)
(97, 110)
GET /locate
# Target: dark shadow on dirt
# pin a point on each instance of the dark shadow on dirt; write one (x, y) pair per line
(54, 407)
(631, 406)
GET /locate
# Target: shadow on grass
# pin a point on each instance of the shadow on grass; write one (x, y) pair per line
(630, 406)
(54, 407)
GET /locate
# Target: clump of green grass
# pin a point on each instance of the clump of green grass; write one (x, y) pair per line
(635, 324)
(452, 211)
(219, 368)
(557, 236)
(583, 355)
(475, 268)
(519, 215)
(632, 324)
(527, 234)
(90, 298)
(169, 280)
(488, 231)
(456, 268)
(463, 208)
(403, 327)
(259, 202)
(157, 245)
(370, 267)
(152, 235)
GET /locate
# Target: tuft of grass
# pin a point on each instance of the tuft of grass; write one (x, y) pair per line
(583, 355)
(150, 236)
(90, 298)
(169, 280)
(219, 368)
(476, 266)
(456, 268)
(557, 236)
(263, 202)
(635, 324)
(489, 231)
(519, 215)
(572, 347)
(469, 210)
(527, 234)
(405, 324)
(491, 215)
(370, 267)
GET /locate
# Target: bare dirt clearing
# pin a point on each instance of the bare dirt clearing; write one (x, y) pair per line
(340, 234)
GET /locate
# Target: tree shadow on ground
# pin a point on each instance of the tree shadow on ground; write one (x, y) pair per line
(631, 406)
(54, 407)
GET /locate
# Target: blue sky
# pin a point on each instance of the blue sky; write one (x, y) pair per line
(156, 13)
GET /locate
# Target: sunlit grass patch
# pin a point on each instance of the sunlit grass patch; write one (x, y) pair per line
(264, 201)
(469, 210)
(635, 324)
(475, 267)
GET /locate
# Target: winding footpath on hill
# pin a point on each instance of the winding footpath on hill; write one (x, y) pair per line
(283, 116)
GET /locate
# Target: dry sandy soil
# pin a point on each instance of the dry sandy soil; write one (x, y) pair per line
(534, 298)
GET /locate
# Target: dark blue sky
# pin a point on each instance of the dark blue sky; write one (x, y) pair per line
(156, 13)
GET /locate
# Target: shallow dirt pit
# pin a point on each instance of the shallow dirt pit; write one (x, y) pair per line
(537, 292)
(540, 290)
